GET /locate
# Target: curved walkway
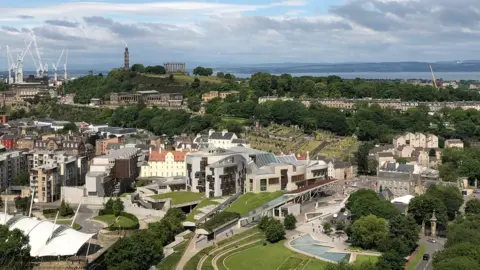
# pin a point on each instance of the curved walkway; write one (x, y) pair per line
(215, 259)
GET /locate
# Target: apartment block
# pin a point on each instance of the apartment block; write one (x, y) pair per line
(217, 94)
(101, 145)
(164, 163)
(223, 139)
(12, 163)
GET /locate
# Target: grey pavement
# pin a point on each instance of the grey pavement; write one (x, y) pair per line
(431, 249)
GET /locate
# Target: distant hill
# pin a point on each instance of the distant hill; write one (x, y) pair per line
(448, 66)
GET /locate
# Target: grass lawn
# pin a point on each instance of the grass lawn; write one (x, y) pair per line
(249, 201)
(110, 219)
(365, 258)
(196, 210)
(171, 261)
(68, 222)
(180, 78)
(417, 258)
(179, 197)
(271, 257)
(237, 120)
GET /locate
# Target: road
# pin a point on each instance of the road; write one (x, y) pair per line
(431, 249)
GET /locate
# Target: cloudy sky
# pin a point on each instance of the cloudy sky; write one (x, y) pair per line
(242, 31)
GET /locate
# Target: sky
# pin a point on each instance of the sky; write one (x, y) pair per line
(240, 32)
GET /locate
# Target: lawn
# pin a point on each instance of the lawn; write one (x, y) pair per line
(365, 258)
(110, 219)
(171, 261)
(418, 256)
(68, 222)
(272, 256)
(250, 201)
(236, 120)
(196, 210)
(180, 78)
(179, 197)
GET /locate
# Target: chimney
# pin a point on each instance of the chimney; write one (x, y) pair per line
(210, 132)
(224, 132)
(199, 135)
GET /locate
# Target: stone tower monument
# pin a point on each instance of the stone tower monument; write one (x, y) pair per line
(433, 222)
(126, 59)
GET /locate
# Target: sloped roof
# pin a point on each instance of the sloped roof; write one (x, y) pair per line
(65, 241)
(159, 155)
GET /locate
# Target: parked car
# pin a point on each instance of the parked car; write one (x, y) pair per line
(431, 240)
(335, 215)
(426, 257)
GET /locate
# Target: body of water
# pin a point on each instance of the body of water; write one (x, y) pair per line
(448, 76)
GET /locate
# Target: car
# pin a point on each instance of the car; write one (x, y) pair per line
(431, 240)
(426, 257)
(335, 215)
(342, 210)
(345, 213)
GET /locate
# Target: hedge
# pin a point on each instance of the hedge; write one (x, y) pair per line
(220, 219)
(50, 211)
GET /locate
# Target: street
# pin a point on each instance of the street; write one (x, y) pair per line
(431, 248)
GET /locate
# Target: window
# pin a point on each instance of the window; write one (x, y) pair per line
(263, 184)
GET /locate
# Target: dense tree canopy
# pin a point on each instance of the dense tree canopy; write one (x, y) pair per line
(472, 207)
(201, 71)
(450, 196)
(422, 208)
(368, 232)
(366, 202)
(14, 249)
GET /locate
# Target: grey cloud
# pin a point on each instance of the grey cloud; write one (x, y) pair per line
(11, 29)
(62, 23)
(25, 17)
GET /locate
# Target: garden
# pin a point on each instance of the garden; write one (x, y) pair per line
(250, 201)
(179, 197)
(116, 219)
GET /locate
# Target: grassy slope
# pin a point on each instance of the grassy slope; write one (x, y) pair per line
(110, 219)
(272, 257)
(418, 256)
(196, 210)
(179, 197)
(250, 201)
(171, 261)
(181, 79)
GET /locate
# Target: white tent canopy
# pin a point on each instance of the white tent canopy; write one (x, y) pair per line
(65, 241)
(404, 199)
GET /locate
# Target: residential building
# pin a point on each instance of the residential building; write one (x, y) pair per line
(164, 163)
(106, 132)
(12, 163)
(416, 140)
(27, 142)
(113, 173)
(223, 139)
(72, 169)
(46, 183)
(73, 146)
(101, 145)
(453, 143)
(284, 172)
(340, 170)
(9, 141)
(217, 94)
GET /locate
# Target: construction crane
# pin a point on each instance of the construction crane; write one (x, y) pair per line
(41, 68)
(55, 66)
(65, 67)
(37, 68)
(19, 66)
(11, 65)
(433, 77)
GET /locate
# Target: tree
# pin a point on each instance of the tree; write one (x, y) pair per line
(138, 68)
(117, 207)
(391, 260)
(368, 231)
(70, 127)
(457, 263)
(201, 71)
(195, 84)
(405, 229)
(65, 209)
(290, 222)
(472, 207)
(450, 196)
(139, 251)
(220, 74)
(264, 221)
(327, 228)
(422, 207)
(15, 249)
(22, 204)
(459, 250)
(22, 179)
(274, 231)
(109, 205)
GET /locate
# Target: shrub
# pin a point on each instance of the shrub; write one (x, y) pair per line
(135, 226)
(274, 231)
(220, 219)
(290, 222)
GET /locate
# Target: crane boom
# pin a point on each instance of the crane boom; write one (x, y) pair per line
(60, 58)
(38, 53)
(433, 77)
(37, 69)
(25, 51)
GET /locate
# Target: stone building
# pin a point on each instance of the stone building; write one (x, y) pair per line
(174, 67)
